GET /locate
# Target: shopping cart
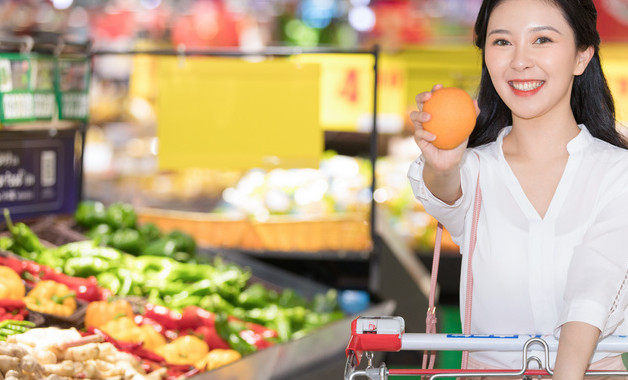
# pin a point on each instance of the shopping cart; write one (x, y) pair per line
(386, 334)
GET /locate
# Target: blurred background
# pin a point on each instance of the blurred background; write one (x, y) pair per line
(186, 112)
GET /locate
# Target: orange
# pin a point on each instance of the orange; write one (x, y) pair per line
(453, 116)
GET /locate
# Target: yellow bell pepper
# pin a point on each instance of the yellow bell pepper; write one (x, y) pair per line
(51, 297)
(186, 350)
(125, 329)
(11, 285)
(217, 358)
(152, 338)
(99, 313)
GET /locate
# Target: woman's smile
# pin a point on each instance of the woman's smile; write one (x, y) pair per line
(526, 87)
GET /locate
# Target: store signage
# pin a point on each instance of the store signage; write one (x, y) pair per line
(347, 85)
(235, 114)
(614, 57)
(38, 172)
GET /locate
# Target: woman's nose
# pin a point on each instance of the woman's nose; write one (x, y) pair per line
(522, 59)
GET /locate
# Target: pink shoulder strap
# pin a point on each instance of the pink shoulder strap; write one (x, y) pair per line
(430, 321)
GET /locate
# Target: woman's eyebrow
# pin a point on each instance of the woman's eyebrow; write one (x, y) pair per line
(536, 29)
(545, 28)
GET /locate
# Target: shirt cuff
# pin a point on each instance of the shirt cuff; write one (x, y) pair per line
(586, 311)
(421, 192)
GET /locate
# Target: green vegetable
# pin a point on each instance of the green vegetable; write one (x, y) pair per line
(127, 240)
(185, 242)
(101, 233)
(149, 231)
(24, 239)
(89, 213)
(121, 215)
(85, 266)
(256, 295)
(6, 243)
(325, 303)
(110, 281)
(230, 332)
(290, 298)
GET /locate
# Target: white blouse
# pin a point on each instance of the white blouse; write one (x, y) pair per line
(533, 274)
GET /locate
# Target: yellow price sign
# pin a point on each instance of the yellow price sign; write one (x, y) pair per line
(347, 85)
(614, 58)
(227, 113)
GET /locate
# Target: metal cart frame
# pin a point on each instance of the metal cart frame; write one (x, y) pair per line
(374, 334)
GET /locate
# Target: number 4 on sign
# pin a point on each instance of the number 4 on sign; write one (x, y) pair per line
(349, 89)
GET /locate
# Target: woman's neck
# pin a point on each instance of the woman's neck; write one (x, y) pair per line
(534, 139)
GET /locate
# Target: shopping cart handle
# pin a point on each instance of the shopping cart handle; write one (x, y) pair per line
(375, 334)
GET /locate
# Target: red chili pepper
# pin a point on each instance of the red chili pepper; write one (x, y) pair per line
(86, 289)
(260, 329)
(211, 337)
(169, 319)
(131, 348)
(13, 263)
(255, 339)
(8, 304)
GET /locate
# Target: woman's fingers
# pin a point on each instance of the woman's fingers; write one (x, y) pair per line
(418, 118)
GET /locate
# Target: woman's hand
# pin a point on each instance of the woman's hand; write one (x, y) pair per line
(435, 158)
(441, 173)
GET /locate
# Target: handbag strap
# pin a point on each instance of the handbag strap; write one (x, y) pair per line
(431, 319)
(469, 293)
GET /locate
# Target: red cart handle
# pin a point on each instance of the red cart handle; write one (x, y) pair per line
(375, 334)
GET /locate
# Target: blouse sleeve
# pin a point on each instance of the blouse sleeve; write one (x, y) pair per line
(597, 291)
(451, 216)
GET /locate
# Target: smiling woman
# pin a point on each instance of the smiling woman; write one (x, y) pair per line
(552, 171)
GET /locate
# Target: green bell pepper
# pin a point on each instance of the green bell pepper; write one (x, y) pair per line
(185, 242)
(127, 240)
(149, 231)
(89, 213)
(121, 215)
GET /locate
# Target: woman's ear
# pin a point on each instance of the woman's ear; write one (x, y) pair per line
(582, 60)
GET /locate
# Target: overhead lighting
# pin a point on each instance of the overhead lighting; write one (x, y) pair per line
(62, 4)
(362, 18)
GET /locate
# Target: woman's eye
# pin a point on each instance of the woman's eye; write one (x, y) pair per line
(501, 43)
(542, 40)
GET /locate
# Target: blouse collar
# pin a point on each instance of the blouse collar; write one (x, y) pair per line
(577, 144)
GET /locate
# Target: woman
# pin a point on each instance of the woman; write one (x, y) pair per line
(552, 244)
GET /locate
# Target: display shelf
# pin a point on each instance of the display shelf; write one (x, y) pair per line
(296, 255)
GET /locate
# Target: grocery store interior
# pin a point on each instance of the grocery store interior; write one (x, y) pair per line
(216, 189)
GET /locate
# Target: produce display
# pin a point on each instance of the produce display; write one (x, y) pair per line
(167, 307)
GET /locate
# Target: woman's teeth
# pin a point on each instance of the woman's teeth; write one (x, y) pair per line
(527, 86)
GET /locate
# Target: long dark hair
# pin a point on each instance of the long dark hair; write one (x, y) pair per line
(591, 99)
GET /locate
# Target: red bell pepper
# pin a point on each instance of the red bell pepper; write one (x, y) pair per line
(211, 337)
(143, 320)
(194, 316)
(169, 319)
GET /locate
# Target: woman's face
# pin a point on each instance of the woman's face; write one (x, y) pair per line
(531, 56)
